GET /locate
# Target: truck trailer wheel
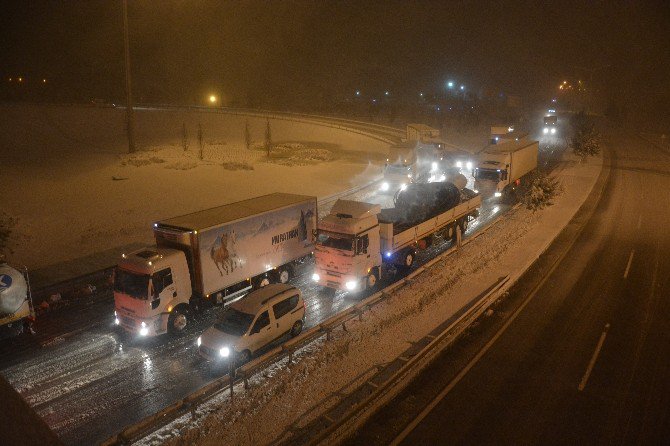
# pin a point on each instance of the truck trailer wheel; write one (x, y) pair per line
(408, 261)
(261, 282)
(178, 320)
(284, 275)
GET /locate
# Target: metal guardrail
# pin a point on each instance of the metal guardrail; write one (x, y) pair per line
(285, 350)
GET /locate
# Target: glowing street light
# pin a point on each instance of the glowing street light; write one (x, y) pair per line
(462, 87)
(212, 99)
(450, 84)
(358, 92)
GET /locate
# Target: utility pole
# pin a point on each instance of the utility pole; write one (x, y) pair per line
(130, 118)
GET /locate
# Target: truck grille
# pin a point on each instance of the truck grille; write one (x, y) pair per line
(128, 322)
(208, 351)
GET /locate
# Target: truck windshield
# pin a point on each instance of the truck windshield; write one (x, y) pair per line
(339, 241)
(487, 174)
(234, 322)
(132, 284)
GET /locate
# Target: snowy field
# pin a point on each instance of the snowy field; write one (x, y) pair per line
(72, 190)
(289, 396)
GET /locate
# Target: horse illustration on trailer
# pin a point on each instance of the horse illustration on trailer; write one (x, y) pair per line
(223, 253)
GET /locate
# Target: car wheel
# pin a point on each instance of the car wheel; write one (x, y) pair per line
(178, 320)
(243, 357)
(296, 329)
(262, 282)
(409, 260)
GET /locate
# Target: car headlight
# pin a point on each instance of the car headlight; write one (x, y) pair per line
(468, 165)
(498, 194)
(199, 341)
(553, 131)
(459, 164)
(316, 277)
(545, 130)
(144, 331)
(385, 186)
(409, 175)
(224, 352)
(351, 285)
(433, 166)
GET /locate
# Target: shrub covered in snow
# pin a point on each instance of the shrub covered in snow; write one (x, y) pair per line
(540, 191)
(585, 140)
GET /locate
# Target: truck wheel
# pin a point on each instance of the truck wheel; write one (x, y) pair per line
(409, 260)
(178, 320)
(296, 329)
(284, 275)
(464, 226)
(371, 281)
(262, 282)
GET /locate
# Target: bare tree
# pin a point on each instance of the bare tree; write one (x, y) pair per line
(585, 140)
(184, 137)
(247, 135)
(201, 142)
(268, 138)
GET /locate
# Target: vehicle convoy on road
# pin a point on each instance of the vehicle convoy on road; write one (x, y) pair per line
(16, 305)
(250, 324)
(211, 256)
(502, 167)
(357, 240)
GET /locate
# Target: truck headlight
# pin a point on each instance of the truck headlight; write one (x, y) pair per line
(144, 331)
(224, 352)
(116, 318)
(351, 285)
(459, 164)
(468, 165)
(199, 341)
(316, 277)
(545, 130)
(553, 131)
(384, 187)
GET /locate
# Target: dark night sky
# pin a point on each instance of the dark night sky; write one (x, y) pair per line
(181, 49)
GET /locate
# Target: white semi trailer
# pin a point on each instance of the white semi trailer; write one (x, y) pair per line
(209, 257)
(502, 166)
(357, 239)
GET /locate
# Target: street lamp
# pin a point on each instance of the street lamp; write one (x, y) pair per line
(212, 99)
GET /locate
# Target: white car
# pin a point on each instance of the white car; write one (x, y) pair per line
(253, 322)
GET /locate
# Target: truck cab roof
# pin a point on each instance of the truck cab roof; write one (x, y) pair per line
(146, 260)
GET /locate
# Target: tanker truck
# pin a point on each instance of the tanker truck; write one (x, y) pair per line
(357, 241)
(211, 257)
(16, 306)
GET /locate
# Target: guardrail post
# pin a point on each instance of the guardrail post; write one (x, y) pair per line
(290, 356)
(344, 326)
(327, 335)
(246, 381)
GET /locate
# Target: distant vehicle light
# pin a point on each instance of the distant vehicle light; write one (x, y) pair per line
(316, 277)
(199, 341)
(468, 165)
(384, 187)
(433, 166)
(403, 186)
(144, 330)
(553, 131)
(498, 194)
(545, 130)
(117, 321)
(351, 285)
(224, 352)
(459, 164)
(388, 254)
(475, 191)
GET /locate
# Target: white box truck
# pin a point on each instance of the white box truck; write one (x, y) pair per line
(211, 256)
(357, 239)
(503, 166)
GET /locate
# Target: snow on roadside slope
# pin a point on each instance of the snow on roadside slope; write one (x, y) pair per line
(291, 395)
(65, 182)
